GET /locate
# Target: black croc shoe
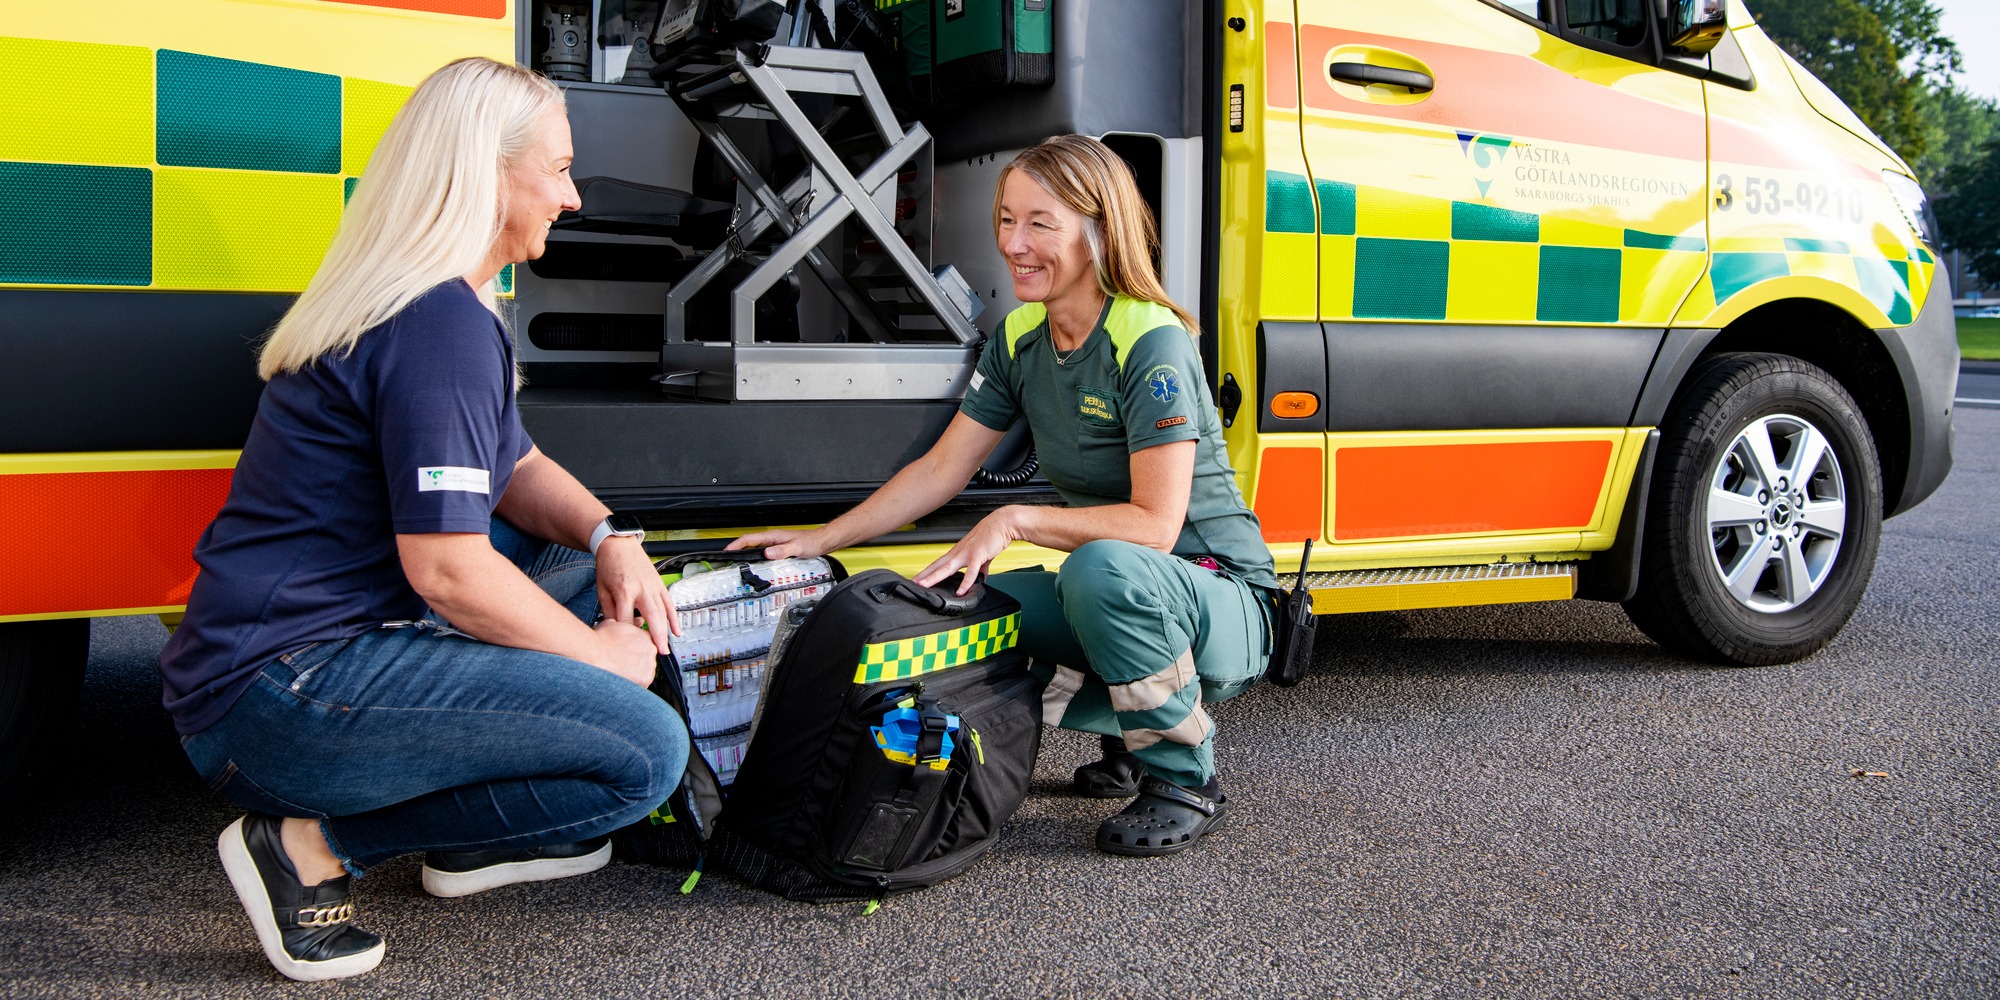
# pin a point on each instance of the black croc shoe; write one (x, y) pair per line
(462, 873)
(307, 931)
(1164, 819)
(1115, 777)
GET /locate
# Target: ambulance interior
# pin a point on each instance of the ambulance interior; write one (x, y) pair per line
(706, 344)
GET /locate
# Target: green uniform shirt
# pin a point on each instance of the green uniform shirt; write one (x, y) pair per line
(1136, 382)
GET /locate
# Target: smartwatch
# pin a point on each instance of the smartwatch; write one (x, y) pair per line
(616, 524)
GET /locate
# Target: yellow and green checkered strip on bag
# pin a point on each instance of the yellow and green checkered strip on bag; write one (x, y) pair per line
(925, 654)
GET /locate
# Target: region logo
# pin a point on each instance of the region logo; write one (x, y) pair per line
(1484, 152)
(1165, 383)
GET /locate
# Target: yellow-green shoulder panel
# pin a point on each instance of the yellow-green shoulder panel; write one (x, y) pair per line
(1131, 319)
(1023, 321)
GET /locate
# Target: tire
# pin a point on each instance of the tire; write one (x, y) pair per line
(41, 674)
(1772, 573)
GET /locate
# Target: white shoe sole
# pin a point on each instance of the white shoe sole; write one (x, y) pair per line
(243, 875)
(450, 885)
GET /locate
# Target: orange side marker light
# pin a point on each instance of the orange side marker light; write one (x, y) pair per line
(1294, 405)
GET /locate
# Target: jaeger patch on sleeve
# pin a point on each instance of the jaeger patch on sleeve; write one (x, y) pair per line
(1160, 425)
(454, 477)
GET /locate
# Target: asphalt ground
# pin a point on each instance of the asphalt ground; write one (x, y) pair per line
(1494, 802)
(1979, 384)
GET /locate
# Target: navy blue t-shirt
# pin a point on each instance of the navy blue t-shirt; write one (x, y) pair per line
(413, 433)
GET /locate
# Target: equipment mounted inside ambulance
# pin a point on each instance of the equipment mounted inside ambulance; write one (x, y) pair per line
(1503, 300)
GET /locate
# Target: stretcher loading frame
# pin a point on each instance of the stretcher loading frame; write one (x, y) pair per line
(742, 368)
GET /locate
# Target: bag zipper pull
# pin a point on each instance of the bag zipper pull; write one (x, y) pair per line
(976, 747)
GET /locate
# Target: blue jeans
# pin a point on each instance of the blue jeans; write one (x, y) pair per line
(420, 738)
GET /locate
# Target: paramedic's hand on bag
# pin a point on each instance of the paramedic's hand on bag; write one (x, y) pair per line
(919, 488)
(626, 650)
(974, 553)
(628, 586)
(785, 543)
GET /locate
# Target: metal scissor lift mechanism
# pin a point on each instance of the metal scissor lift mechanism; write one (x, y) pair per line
(758, 82)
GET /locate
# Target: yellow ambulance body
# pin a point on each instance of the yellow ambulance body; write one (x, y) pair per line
(1504, 301)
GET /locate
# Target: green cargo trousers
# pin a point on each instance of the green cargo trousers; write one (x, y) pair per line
(1133, 641)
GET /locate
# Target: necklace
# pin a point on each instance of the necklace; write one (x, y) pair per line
(1063, 357)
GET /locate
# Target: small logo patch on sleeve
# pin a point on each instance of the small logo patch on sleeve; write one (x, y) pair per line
(977, 381)
(454, 477)
(1160, 425)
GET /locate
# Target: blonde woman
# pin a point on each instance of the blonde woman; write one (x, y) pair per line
(1165, 600)
(389, 647)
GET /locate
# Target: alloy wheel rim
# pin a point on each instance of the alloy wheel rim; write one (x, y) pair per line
(1776, 513)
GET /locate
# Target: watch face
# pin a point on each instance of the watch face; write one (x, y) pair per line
(623, 524)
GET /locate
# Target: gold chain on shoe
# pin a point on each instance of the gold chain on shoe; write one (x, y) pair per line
(324, 916)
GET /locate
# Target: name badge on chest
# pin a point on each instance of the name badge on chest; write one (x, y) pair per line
(1097, 406)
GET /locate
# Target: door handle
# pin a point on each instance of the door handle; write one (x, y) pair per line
(1367, 73)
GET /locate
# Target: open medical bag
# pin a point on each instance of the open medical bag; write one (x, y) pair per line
(731, 605)
(896, 733)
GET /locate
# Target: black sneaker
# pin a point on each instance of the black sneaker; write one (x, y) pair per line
(462, 873)
(307, 931)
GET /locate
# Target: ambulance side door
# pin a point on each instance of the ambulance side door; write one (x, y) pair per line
(1510, 203)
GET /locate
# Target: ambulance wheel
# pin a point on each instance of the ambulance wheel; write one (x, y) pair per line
(41, 674)
(1765, 514)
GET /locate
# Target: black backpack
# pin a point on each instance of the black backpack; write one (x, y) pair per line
(896, 732)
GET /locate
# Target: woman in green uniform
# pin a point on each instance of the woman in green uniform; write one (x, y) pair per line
(1164, 603)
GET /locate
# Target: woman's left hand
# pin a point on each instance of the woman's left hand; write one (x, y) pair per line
(975, 552)
(627, 585)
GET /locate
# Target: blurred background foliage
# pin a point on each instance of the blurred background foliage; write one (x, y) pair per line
(1894, 66)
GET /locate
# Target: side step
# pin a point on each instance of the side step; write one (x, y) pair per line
(1359, 590)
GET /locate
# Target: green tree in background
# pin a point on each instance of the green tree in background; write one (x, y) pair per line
(1969, 212)
(1885, 58)
(1892, 64)
(1964, 125)
(1962, 173)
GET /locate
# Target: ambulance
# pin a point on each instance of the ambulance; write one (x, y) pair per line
(1502, 300)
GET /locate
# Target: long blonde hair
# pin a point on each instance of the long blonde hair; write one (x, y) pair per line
(427, 210)
(1096, 183)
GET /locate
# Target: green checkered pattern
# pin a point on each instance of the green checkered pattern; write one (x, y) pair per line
(926, 654)
(135, 167)
(1399, 278)
(1885, 282)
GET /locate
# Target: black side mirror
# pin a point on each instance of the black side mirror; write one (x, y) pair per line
(1695, 26)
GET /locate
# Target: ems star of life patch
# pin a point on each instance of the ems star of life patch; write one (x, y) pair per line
(1165, 381)
(454, 477)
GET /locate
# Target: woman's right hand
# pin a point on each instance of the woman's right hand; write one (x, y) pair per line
(626, 650)
(785, 543)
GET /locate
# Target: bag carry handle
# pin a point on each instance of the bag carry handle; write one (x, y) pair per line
(672, 563)
(938, 599)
